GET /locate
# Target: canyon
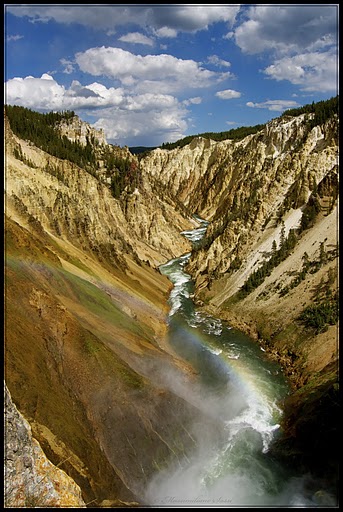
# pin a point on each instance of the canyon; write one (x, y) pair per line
(87, 358)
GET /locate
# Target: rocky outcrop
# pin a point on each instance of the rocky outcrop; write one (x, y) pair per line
(31, 480)
(57, 195)
(78, 131)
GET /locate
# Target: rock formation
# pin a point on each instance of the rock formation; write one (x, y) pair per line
(87, 358)
(78, 131)
(276, 187)
(31, 480)
(254, 192)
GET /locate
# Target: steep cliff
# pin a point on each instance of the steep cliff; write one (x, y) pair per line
(87, 358)
(269, 262)
(276, 187)
(76, 130)
(58, 194)
(31, 480)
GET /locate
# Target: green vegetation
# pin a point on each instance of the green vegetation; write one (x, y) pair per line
(18, 154)
(234, 134)
(322, 314)
(277, 255)
(311, 267)
(40, 129)
(322, 110)
(310, 213)
(141, 150)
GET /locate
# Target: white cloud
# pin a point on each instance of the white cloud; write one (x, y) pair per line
(289, 28)
(45, 93)
(68, 66)
(312, 71)
(228, 94)
(153, 126)
(46, 76)
(34, 92)
(274, 105)
(302, 39)
(186, 18)
(136, 38)
(146, 102)
(151, 73)
(216, 61)
(193, 101)
(229, 35)
(154, 118)
(166, 32)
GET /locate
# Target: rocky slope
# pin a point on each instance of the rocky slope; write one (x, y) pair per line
(31, 480)
(57, 194)
(254, 193)
(87, 359)
(274, 193)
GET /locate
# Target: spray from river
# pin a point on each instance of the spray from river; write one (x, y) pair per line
(242, 390)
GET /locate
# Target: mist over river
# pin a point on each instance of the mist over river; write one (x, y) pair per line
(244, 391)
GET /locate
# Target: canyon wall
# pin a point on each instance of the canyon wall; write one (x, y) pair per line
(269, 262)
(87, 360)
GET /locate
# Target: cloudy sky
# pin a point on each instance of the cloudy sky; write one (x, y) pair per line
(149, 74)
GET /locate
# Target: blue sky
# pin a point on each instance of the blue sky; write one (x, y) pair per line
(149, 74)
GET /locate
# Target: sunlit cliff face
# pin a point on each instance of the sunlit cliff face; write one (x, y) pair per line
(89, 356)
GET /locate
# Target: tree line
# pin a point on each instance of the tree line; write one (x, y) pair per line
(322, 110)
(40, 129)
(234, 134)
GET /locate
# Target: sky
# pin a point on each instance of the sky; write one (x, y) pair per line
(154, 73)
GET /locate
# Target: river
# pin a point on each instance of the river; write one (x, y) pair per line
(244, 390)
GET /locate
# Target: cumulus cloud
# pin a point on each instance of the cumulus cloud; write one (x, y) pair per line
(34, 92)
(287, 28)
(216, 61)
(136, 38)
(186, 18)
(312, 71)
(154, 118)
(228, 94)
(153, 126)
(274, 105)
(45, 93)
(157, 73)
(301, 38)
